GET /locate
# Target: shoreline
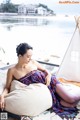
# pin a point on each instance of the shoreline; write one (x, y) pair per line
(57, 17)
(34, 16)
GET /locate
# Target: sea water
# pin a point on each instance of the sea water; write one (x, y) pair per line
(48, 35)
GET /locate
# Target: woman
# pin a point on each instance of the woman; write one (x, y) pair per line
(30, 71)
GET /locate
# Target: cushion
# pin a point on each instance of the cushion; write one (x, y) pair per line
(28, 100)
(69, 82)
(2, 80)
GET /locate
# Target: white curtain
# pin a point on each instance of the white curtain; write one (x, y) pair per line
(70, 66)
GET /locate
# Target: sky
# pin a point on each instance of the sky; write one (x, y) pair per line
(54, 5)
(32, 1)
(47, 2)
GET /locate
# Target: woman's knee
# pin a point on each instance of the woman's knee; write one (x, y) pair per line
(66, 95)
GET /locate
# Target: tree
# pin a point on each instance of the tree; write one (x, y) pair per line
(45, 6)
(7, 1)
(8, 7)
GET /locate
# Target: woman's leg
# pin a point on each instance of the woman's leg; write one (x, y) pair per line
(66, 104)
(66, 95)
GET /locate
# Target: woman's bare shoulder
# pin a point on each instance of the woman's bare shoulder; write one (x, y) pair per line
(12, 69)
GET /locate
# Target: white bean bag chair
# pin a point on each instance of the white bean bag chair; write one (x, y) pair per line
(28, 100)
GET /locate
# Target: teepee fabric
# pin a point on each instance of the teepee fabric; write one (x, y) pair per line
(70, 66)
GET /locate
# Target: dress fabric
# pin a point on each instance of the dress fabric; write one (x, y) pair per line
(37, 76)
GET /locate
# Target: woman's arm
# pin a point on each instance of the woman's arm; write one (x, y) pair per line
(8, 82)
(48, 75)
(6, 89)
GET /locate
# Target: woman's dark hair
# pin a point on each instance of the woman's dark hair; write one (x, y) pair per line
(22, 48)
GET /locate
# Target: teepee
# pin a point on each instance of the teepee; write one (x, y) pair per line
(70, 66)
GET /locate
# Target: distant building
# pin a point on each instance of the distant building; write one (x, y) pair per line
(31, 9)
(41, 11)
(27, 9)
(22, 9)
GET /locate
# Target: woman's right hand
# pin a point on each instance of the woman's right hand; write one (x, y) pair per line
(2, 102)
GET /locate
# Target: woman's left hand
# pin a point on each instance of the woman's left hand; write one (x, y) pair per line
(48, 79)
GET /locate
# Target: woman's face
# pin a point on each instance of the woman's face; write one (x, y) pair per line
(27, 56)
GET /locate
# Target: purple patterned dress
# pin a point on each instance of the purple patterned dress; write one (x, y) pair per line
(37, 76)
